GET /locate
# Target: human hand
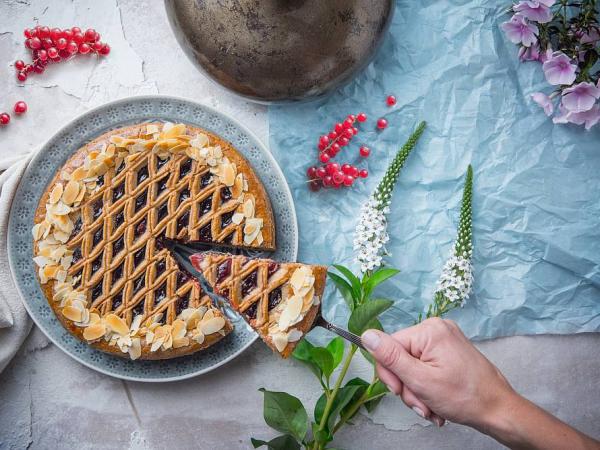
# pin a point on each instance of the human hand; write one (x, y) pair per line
(436, 371)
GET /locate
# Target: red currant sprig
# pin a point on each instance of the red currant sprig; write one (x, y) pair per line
(56, 45)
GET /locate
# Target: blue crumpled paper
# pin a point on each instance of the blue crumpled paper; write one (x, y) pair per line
(536, 186)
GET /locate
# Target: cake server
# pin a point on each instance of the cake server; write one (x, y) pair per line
(182, 252)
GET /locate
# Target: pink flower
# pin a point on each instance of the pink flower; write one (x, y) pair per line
(535, 10)
(544, 101)
(529, 53)
(590, 37)
(580, 97)
(545, 56)
(559, 69)
(518, 31)
(588, 118)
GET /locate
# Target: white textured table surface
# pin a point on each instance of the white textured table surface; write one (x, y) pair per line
(47, 400)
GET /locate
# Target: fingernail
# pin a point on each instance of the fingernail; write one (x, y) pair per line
(438, 421)
(419, 411)
(370, 340)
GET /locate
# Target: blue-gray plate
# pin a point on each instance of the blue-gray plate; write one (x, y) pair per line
(53, 155)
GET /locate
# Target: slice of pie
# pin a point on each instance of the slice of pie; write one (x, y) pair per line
(101, 266)
(279, 300)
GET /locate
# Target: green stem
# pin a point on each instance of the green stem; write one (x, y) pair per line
(336, 388)
(363, 398)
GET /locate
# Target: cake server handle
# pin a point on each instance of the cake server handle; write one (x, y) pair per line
(351, 337)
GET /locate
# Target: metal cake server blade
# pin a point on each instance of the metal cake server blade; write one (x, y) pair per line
(182, 254)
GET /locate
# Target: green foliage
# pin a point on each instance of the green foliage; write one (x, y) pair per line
(285, 413)
(283, 442)
(363, 317)
(464, 244)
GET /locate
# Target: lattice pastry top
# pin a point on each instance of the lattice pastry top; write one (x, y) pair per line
(279, 300)
(100, 264)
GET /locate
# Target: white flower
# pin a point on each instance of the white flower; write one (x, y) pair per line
(371, 235)
(456, 280)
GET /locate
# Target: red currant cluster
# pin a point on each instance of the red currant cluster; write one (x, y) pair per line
(20, 108)
(55, 45)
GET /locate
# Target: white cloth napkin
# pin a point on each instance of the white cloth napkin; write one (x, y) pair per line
(14, 321)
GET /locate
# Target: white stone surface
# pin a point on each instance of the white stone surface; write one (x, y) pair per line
(47, 400)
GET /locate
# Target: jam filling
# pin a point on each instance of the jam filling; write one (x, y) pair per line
(182, 278)
(118, 245)
(117, 300)
(185, 168)
(97, 237)
(120, 168)
(163, 211)
(229, 238)
(273, 267)
(117, 274)
(206, 233)
(138, 283)
(182, 303)
(160, 294)
(161, 266)
(77, 227)
(100, 181)
(118, 192)
(160, 163)
(183, 221)
(161, 186)
(139, 308)
(140, 228)
(226, 194)
(140, 201)
(249, 283)
(274, 298)
(184, 195)
(206, 205)
(76, 255)
(250, 313)
(97, 209)
(97, 291)
(226, 219)
(97, 264)
(223, 270)
(142, 175)
(206, 179)
(138, 256)
(119, 219)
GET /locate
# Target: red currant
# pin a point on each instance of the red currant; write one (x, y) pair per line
(324, 157)
(355, 172)
(22, 76)
(332, 135)
(55, 34)
(332, 168)
(20, 107)
(346, 168)
(68, 34)
(348, 133)
(78, 38)
(84, 48)
(348, 180)
(4, 119)
(354, 131)
(43, 32)
(311, 172)
(338, 128)
(76, 30)
(351, 117)
(391, 100)
(364, 173)
(321, 172)
(105, 50)
(314, 185)
(382, 123)
(19, 65)
(343, 141)
(338, 177)
(28, 33)
(335, 148)
(47, 43)
(38, 68)
(52, 52)
(324, 140)
(42, 55)
(362, 117)
(327, 181)
(348, 123)
(364, 151)
(61, 43)
(72, 47)
(90, 35)
(35, 43)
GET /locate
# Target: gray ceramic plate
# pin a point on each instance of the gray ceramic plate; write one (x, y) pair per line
(56, 151)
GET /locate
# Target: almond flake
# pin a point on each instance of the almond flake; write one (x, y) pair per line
(238, 186)
(294, 335)
(248, 207)
(200, 141)
(79, 174)
(259, 238)
(135, 350)
(181, 342)
(237, 218)
(280, 341)
(212, 325)
(229, 174)
(199, 338)
(72, 313)
(290, 312)
(116, 324)
(56, 193)
(94, 331)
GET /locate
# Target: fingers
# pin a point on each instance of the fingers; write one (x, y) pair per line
(389, 379)
(390, 354)
(412, 401)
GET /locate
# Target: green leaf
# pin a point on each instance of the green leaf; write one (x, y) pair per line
(345, 289)
(336, 348)
(302, 354)
(320, 407)
(323, 359)
(322, 436)
(285, 413)
(342, 398)
(377, 278)
(376, 393)
(353, 279)
(283, 442)
(364, 314)
(362, 387)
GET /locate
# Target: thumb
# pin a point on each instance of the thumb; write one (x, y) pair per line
(390, 353)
